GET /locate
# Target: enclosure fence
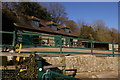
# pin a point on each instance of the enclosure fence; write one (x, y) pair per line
(39, 40)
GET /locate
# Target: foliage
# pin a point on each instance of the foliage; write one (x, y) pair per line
(103, 33)
(98, 31)
(55, 12)
(87, 32)
(32, 9)
(72, 25)
(114, 35)
(8, 18)
(31, 72)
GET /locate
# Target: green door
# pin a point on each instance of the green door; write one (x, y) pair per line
(71, 42)
(27, 40)
(67, 42)
(57, 41)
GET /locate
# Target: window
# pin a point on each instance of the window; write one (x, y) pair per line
(67, 30)
(35, 23)
(54, 28)
(36, 40)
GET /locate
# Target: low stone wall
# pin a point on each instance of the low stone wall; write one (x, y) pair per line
(86, 63)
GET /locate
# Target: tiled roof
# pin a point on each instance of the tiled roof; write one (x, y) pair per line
(45, 28)
(63, 26)
(51, 22)
(32, 17)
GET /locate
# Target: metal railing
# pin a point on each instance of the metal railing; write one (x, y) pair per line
(32, 68)
(30, 39)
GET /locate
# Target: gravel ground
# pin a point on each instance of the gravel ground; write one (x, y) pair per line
(100, 75)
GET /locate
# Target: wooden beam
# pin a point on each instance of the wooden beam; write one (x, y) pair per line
(14, 54)
(8, 68)
(45, 67)
(54, 66)
(28, 54)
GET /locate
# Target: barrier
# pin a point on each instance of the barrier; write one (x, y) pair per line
(39, 40)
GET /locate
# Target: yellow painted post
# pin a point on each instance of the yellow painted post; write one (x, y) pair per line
(18, 50)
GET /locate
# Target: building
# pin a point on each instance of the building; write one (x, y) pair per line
(61, 34)
(36, 25)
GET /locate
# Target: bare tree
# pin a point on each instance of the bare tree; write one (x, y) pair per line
(98, 23)
(103, 33)
(114, 34)
(57, 12)
(81, 23)
(72, 25)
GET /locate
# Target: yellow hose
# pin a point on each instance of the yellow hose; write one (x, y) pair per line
(21, 70)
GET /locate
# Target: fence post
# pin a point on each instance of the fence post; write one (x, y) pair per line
(91, 47)
(113, 49)
(14, 38)
(40, 69)
(60, 44)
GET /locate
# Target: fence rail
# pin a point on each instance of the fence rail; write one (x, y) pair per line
(39, 40)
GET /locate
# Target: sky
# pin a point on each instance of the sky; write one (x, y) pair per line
(91, 11)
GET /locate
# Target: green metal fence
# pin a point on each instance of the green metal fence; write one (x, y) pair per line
(30, 39)
(51, 75)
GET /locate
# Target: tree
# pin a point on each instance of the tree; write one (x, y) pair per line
(114, 35)
(32, 9)
(80, 23)
(87, 32)
(57, 12)
(98, 23)
(72, 25)
(8, 18)
(103, 33)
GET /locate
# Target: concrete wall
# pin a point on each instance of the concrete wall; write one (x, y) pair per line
(86, 63)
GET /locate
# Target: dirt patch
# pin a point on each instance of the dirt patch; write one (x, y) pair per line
(105, 74)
